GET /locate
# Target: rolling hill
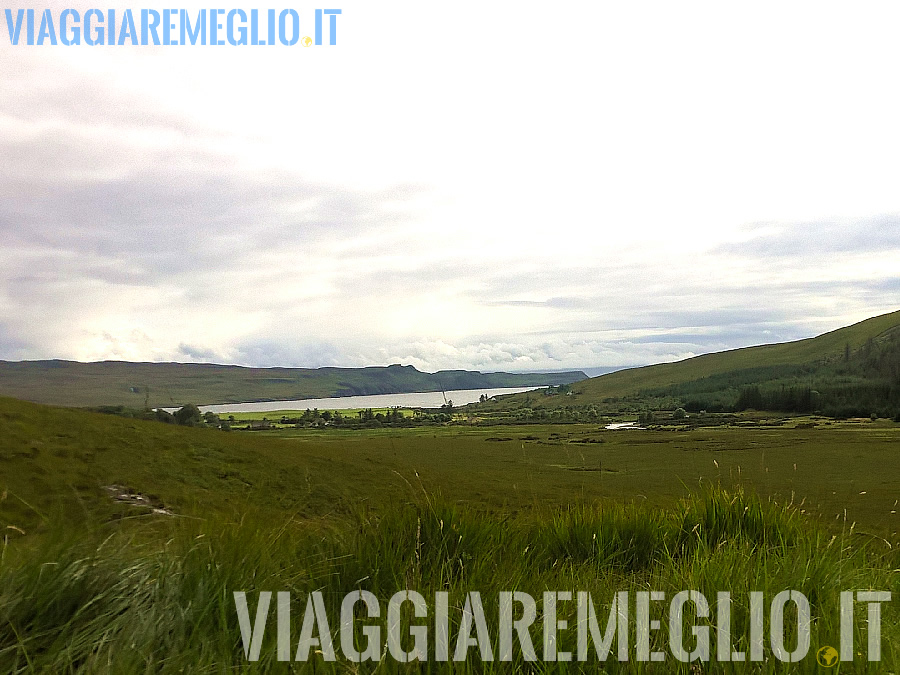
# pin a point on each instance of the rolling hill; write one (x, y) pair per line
(69, 465)
(852, 370)
(71, 383)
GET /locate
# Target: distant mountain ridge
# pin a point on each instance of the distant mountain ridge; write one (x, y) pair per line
(77, 384)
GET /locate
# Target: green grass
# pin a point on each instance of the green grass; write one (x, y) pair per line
(95, 586)
(110, 601)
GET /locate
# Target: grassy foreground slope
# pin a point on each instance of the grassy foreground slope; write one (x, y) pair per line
(60, 465)
(72, 383)
(89, 584)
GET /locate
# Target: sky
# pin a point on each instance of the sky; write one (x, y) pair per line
(479, 185)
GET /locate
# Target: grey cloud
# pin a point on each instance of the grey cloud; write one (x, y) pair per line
(68, 102)
(890, 285)
(11, 347)
(291, 353)
(166, 221)
(740, 316)
(711, 341)
(371, 278)
(139, 192)
(555, 303)
(185, 230)
(199, 353)
(876, 235)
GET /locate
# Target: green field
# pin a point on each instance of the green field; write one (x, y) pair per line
(53, 456)
(89, 580)
(275, 415)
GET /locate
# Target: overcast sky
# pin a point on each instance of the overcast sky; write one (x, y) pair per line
(484, 185)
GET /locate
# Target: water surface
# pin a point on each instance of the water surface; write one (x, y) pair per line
(426, 399)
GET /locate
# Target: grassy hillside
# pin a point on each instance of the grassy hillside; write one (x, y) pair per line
(93, 583)
(72, 383)
(56, 465)
(819, 360)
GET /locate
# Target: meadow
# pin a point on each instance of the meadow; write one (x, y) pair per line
(92, 582)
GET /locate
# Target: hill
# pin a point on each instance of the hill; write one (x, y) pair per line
(74, 466)
(850, 371)
(71, 383)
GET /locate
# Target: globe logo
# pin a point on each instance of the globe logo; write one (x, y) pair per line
(306, 41)
(827, 657)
